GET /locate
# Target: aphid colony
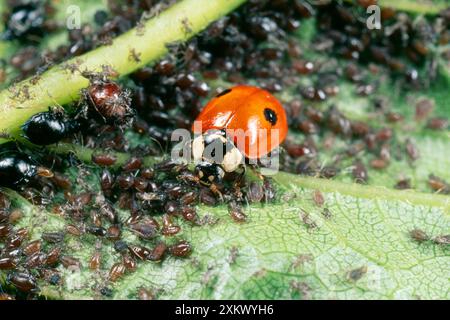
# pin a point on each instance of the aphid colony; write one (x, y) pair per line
(252, 42)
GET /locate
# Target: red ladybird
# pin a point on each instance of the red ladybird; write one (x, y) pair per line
(250, 110)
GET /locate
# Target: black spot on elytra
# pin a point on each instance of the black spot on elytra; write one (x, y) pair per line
(270, 116)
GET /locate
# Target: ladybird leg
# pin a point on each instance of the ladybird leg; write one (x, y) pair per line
(216, 191)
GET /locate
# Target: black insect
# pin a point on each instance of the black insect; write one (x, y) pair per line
(18, 169)
(49, 127)
(25, 21)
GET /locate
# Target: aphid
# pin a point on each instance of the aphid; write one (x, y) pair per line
(109, 101)
(255, 192)
(169, 229)
(53, 256)
(419, 235)
(18, 169)
(423, 108)
(113, 232)
(307, 220)
(236, 212)
(437, 124)
(53, 237)
(95, 260)
(116, 271)
(442, 240)
(106, 181)
(49, 127)
(180, 249)
(139, 252)
(402, 184)
(318, 198)
(438, 184)
(23, 281)
(411, 150)
(356, 274)
(326, 213)
(32, 247)
(132, 164)
(378, 163)
(68, 261)
(251, 110)
(105, 160)
(359, 172)
(7, 263)
(129, 262)
(145, 229)
(158, 252)
(35, 260)
(73, 230)
(61, 181)
(188, 198)
(120, 246)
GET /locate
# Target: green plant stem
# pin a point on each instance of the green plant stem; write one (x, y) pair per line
(59, 85)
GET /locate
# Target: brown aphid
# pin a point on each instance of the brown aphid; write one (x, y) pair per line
(255, 192)
(189, 213)
(359, 172)
(394, 117)
(181, 249)
(7, 263)
(402, 184)
(106, 180)
(378, 163)
(442, 240)
(113, 232)
(423, 108)
(125, 181)
(236, 212)
(32, 247)
(61, 181)
(145, 229)
(68, 261)
(15, 216)
(169, 229)
(438, 184)
(437, 124)
(35, 260)
(23, 281)
(16, 239)
(188, 198)
(384, 134)
(356, 274)
(105, 160)
(95, 260)
(132, 164)
(158, 252)
(419, 235)
(318, 198)
(53, 256)
(5, 229)
(116, 271)
(96, 218)
(129, 262)
(411, 150)
(73, 230)
(139, 252)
